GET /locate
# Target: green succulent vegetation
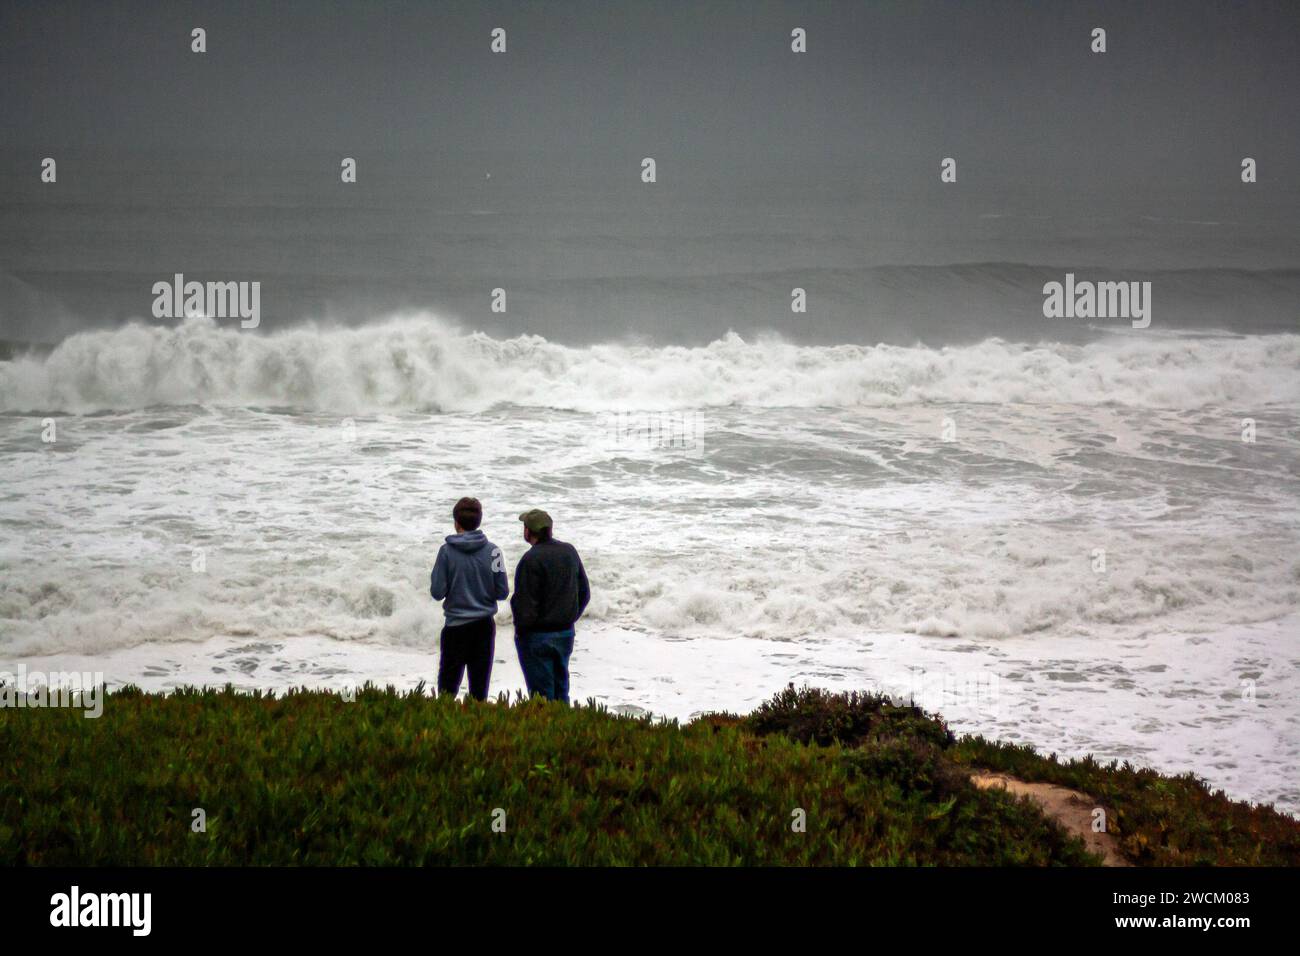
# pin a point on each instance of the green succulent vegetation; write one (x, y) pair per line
(395, 778)
(1158, 820)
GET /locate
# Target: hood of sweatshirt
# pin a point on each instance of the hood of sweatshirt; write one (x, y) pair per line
(469, 541)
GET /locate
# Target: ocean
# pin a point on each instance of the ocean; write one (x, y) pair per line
(1074, 534)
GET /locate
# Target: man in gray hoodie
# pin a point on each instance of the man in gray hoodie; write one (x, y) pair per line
(469, 577)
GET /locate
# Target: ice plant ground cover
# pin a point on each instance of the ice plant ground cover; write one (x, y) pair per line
(219, 777)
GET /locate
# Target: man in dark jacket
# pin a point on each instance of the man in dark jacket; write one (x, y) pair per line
(469, 577)
(551, 592)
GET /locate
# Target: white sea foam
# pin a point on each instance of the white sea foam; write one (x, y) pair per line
(784, 526)
(424, 363)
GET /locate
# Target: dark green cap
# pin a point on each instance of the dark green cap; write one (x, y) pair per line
(535, 520)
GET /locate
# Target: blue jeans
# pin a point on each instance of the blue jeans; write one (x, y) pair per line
(544, 658)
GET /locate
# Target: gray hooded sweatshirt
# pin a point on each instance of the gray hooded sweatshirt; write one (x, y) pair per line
(469, 577)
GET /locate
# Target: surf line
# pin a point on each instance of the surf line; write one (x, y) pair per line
(1098, 300)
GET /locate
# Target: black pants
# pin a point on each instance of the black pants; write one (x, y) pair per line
(469, 645)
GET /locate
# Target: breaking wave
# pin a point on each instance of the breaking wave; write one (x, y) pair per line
(425, 363)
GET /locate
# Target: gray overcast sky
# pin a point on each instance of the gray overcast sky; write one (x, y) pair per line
(1185, 87)
(776, 169)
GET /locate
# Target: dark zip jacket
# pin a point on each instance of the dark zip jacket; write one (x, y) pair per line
(551, 589)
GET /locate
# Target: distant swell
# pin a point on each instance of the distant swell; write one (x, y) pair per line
(423, 363)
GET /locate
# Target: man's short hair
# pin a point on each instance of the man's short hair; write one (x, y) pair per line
(468, 513)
